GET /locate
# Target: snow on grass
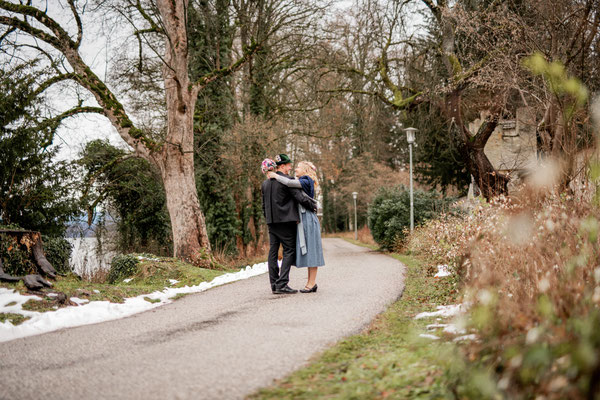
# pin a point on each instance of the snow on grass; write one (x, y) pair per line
(99, 311)
(143, 258)
(12, 302)
(173, 281)
(465, 337)
(428, 336)
(448, 328)
(79, 301)
(451, 328)
(443, 311)
(442, 271)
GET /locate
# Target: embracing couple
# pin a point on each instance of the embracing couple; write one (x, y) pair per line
(290, 208)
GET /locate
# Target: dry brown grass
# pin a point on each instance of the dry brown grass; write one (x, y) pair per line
(519, 249)
(529, 268)
(364, 235)
(253, 256)
(98, 276)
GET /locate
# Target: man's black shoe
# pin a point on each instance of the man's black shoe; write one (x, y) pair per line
(285, 290)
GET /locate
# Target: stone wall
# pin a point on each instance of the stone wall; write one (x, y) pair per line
(512, 146)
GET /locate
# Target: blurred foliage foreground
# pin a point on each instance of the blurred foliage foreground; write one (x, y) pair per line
(530, 278)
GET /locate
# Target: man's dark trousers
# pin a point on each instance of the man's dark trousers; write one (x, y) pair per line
(283, 233)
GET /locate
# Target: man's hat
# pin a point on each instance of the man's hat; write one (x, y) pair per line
(282, 159)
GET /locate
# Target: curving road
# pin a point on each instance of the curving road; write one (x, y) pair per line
(220, 344)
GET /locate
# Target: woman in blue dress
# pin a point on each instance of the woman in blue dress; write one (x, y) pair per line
(309, 250)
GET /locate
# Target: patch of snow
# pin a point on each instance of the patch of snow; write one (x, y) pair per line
(79, 301)
(442, 271)
(96, 291)
(173, 281)
(8, 296)
(100, 311)
(142, 258)
(52, 294)
(127, 280)
(443, 311)
(436, 326)
(454, 330)
(428, 336)
(466, 337)
(448, 328)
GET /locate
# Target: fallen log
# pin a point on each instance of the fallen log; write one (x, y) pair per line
(40, 259)
(35, 282)
(6, 277)
(31, 282)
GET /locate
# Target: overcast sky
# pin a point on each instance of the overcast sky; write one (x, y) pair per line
(99, 43)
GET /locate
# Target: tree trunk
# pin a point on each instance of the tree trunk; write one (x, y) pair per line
(490, 182)
(176, 159)
(187, 220)
(471, 147)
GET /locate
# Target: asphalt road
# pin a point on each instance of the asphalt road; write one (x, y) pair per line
(220, 344)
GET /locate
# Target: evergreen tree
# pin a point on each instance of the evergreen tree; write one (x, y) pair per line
(132, 187)
(35, 190)
(211, 38)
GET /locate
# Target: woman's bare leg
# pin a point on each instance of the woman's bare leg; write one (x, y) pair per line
(312, 277)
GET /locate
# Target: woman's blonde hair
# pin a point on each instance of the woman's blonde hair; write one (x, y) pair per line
(308, 168)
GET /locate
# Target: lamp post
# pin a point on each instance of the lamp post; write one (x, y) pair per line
(410, 138)
(354, 196)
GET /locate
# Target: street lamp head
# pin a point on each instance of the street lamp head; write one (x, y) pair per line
(354, 195)
(410, 135)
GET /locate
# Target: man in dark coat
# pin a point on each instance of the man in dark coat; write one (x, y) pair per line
(280, 207)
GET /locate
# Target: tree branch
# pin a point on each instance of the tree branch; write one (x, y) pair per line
(486, 129)
(111, 107)
(78, 110)
(220, 73)
(153, 25)
(78, 21)
(55, 79)
(10, 30)
(61, 36)
(27, 28)
(434, 9)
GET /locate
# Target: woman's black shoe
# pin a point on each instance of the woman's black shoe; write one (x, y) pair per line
(311, 290)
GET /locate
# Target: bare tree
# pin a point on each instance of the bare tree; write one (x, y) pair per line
(173, 154)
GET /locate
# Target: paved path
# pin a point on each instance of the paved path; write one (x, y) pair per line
(220, 344)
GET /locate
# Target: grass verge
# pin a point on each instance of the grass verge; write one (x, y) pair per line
(151, 275)
(389, 359)
(15, 319)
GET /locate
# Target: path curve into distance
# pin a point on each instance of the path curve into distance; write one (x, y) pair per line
(220, 344)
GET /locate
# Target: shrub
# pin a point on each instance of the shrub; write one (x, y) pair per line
(122, 266)
(58, 252)
(447, 238)
(531, 276)
(389, 214)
